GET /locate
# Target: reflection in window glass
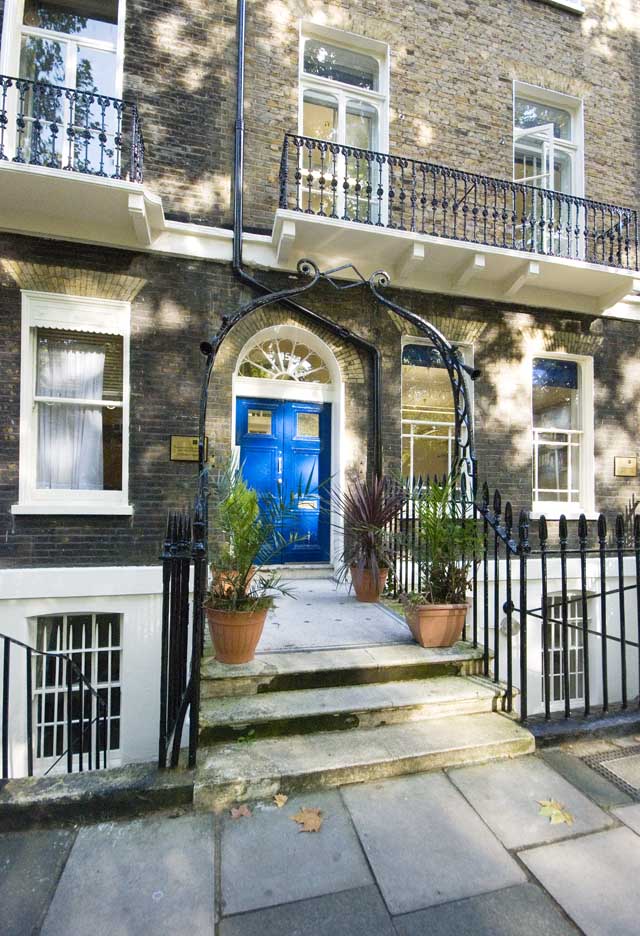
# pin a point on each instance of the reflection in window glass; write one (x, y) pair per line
(308, 425)
(428, 417)
(532, 114)
(555, 654)
(259, 422)
(557, 431)
(92, 19)
(338, 64)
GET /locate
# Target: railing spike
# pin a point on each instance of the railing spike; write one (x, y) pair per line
(497, 502)
(583, 528)
(602, 528)
(485, 495)
(508, 517)
(543, 531)
(636, 530)
(563, 530)
(620, 528)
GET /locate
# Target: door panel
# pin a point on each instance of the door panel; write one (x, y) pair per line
(285, 450)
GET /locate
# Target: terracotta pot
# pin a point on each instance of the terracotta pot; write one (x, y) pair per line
(222, 583)
(436, 625)
(235, 634)
(367, 586)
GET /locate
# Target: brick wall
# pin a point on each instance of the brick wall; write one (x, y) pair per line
(181, 303)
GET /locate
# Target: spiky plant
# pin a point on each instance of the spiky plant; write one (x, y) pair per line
(366, 511)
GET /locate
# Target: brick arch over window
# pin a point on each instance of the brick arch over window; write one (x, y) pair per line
(349, 361)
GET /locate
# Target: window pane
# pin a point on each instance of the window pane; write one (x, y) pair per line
(308, 425)
(320, 116)
(427, 413)
(94, 19)
(362, 125)
(42, 60)
(79, 365)
(259, 422)
(329, 61)
(532, 114)
(555, 394)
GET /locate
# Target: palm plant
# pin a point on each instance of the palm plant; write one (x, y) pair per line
(444, 545)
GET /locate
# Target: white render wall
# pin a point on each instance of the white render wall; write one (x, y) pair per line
(135, 592)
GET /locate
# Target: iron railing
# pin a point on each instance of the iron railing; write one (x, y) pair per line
(84, 711)
(555, 607)
(342, 182)
(185, 549)
(65, 128)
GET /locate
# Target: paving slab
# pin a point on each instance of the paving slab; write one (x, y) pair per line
(30, 866)
(514, 911)
(359, 912)
(425, 844)
(325, 614)
(592, 784)
(507, 796)
(593, 879)
(266, 860)
(630, 815)
(129, 878)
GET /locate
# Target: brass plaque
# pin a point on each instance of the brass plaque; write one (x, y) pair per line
(625, 466)
(185, 448)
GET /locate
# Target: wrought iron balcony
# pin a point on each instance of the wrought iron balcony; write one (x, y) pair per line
(65, 128)
(329, 180)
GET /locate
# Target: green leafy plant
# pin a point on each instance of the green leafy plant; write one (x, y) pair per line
(366, 511)
(246, 536)
(443, 545)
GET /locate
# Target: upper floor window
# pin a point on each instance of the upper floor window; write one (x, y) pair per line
(428, 414)
(547, 134)
(71, 43)
(561, 425)
(74, 406)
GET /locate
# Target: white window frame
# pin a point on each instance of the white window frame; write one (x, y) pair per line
(341, 90)
(466, 352)
(13, 30)
(586, 504)
(574, 6)
(75, 313)
(574, 148)
(574, 617)
(57, 763)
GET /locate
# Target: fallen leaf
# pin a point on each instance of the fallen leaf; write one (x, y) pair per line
(238, 811)
(309, 818)
(555, 811)
(280, 799)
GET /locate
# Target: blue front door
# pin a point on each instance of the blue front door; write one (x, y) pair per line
(285, 450)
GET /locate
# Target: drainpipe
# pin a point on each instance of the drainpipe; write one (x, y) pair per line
(244, 277)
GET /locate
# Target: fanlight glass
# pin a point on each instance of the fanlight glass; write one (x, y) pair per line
(285, 359)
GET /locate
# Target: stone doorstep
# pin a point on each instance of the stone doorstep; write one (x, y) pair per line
(93, 795)
(232, 773)
(332, 709)
(316, 669)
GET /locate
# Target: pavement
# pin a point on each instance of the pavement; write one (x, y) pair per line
(465, 851)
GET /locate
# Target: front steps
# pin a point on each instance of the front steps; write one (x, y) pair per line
(289, 722)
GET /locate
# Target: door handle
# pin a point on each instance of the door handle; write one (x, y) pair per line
(279, 469)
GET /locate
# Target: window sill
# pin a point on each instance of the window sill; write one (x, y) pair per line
(79, 510)
(554, 513)
(572, 6)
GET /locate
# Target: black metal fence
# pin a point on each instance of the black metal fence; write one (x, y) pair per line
(335, 181)
(65, 128)
(184, 574)
(79, 715)
(555, 606)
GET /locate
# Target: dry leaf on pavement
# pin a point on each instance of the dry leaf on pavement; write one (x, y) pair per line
(238, 811)
(280, 799)
(555, 811)
(309, 818)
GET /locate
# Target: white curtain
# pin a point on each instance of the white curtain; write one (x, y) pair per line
(70, 435)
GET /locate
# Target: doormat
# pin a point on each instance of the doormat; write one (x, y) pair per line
(621, 767)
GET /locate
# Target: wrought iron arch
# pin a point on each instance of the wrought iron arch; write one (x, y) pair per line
(377, 282)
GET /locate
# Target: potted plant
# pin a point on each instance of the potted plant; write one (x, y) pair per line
(443, 549)
(366, 512)
(240, 591)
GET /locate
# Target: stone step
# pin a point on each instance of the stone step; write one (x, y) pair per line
(232, 773)
(316, 669)
(312, 570)
(304, 711)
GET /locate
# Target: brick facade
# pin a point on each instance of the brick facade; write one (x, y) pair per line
(452, 68)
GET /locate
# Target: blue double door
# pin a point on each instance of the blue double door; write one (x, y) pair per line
(285, 451)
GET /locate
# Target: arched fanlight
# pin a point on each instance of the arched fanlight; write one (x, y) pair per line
(284, 359)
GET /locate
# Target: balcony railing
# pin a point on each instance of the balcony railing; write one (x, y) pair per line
(330, 180)
(64, 128)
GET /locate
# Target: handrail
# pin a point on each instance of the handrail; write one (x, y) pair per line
(347, 183)
(72, 668)
(56, 127)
